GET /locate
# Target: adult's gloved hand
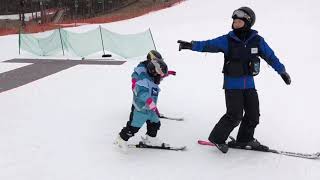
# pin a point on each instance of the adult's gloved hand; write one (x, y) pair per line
(184, 45)
(286, 78)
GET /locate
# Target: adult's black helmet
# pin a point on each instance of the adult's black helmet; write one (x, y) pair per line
(246, 14)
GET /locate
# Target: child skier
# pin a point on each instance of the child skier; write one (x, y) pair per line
(145, 86)
(242, 48)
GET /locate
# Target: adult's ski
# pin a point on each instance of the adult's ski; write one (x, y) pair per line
(163, 147)
(286, 153)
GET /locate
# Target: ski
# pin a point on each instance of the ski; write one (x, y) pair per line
(286, 153)
(295, 154)
(171, 118)
(163, 147)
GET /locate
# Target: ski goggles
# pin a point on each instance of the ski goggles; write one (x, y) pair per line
(240, 14)
(158, 68)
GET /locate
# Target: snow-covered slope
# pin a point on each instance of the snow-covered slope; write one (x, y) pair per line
(62, 127)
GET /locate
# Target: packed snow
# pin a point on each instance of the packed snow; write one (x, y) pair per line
(62, 127)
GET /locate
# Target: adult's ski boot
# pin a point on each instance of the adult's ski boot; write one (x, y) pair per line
(251, 145)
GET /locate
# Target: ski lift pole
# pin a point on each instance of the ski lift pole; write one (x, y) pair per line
(19, 41)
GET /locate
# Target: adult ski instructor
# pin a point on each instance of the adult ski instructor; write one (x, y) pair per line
(242, 48)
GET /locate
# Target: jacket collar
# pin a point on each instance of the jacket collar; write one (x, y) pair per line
(252, 35)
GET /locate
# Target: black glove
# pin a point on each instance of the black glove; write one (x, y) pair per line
(184, 45)
(285, 76)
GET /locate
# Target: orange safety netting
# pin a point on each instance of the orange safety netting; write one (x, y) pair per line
(34, 28)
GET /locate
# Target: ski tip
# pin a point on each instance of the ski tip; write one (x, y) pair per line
(172, 118)
(176, 119)
(183, 148)
(204, 142)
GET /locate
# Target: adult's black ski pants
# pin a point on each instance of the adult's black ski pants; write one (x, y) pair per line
(238, 102)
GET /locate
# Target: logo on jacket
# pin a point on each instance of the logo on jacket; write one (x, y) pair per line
(154, 92)
(254, 50)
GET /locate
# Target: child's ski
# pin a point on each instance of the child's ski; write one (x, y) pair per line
(163, 147)
(171, 118)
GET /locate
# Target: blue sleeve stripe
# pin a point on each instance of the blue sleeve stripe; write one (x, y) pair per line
(219, 44)
(268, 55)
(140, 70)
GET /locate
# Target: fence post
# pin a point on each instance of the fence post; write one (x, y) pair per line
(61, 41)
(19, 41)
(155, 48)
(102, 40)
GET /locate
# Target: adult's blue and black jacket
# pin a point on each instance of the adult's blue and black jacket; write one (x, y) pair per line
(221, 44)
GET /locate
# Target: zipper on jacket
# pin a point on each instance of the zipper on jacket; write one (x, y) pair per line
(245, 82)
